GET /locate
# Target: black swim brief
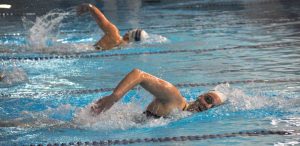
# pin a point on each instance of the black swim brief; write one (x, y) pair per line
(150, 114)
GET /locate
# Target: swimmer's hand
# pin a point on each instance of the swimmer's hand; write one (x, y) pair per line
(83, 8)
(103, 104)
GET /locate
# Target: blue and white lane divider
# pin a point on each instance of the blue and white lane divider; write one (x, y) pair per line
(198, 51)
(179, 85)
(174, 139)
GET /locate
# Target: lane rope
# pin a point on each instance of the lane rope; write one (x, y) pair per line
(173, 139)
(85, 56)
(179, 85)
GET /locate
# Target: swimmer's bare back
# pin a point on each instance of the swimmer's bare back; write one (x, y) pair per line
(111, 36)
(166, 96)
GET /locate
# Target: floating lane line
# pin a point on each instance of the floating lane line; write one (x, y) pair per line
(179, 85)
(85, 56)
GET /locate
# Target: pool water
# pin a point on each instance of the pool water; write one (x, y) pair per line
(52, 73)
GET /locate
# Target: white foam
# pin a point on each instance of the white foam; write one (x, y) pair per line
(287, 143)
(124, 116)
(286, 122)
(129, 115)
(41, 34)
(121, 116)
(154, 39)
(239, 100)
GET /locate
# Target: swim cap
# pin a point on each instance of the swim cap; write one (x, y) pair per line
(222, 96)
(137, 35)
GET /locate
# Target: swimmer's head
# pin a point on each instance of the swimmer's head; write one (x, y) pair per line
(1, 76)
(135, 35)
(207, 101)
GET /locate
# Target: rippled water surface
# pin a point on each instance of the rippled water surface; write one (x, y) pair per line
(52, 73)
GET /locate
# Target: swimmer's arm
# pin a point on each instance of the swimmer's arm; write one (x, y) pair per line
(162, 90)
(101, 20)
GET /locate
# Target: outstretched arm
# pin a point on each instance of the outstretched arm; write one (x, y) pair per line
(101, 20)
(162, 90)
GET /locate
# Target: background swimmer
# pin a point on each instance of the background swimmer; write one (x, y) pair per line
(112, 37)
(1, 76)
(12, 76)
(166, 96)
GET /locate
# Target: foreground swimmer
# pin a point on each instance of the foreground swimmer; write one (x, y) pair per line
(167, 96)
(111, 38)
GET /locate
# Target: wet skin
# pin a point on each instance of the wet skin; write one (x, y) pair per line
(204, 102)
(112, 37)
(166, 96)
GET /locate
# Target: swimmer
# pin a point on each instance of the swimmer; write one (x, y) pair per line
(1, 76)
(112, 38)
(12, 76)
(166, 96)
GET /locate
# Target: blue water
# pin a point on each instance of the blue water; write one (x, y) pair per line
(37, 105)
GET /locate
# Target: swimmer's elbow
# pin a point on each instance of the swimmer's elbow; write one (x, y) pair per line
(137, 71)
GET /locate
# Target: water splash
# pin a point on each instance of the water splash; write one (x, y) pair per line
(129, 115)
(294, 142)
(43, 34)
(154, 39)
(122, 116)
(238, 100)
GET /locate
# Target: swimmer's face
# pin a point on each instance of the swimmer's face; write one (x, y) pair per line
(204, 102)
